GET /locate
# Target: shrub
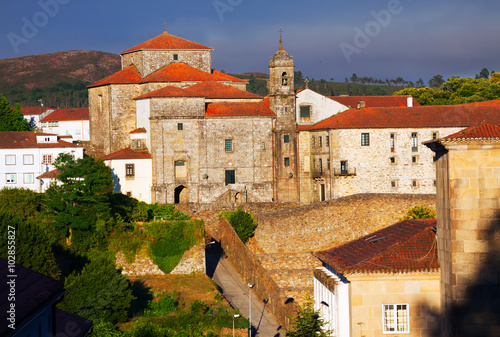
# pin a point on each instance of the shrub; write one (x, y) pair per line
(243, 223)
(420, 212)
(164, 304)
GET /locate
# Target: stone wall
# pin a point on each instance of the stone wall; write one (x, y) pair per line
(324, 225)
(251, 271)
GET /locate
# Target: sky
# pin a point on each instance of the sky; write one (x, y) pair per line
(327, 38)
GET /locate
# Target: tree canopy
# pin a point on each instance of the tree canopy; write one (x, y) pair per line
(12, 119)
(457, 91)
(308, 323)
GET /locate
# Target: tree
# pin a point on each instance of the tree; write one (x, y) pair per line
(436, 82)
(419, 83)
(99, 293)
(484, 73)
(33, 247)
(308, 323)
(354, 78)
(12, 119)
(243, 223)
(81, 197)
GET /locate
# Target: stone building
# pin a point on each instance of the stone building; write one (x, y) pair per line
(468, 191)
(209, 139)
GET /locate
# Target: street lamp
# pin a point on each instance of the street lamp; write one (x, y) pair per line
(234, 316)
(250, 286)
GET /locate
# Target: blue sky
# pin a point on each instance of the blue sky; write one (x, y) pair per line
(408, 38)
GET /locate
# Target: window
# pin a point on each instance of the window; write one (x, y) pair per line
(414, 183)
(138, 143)
(129, 170)
(393, 144)
(320, 166)
(29, 178)
(230, 177)
(47, 159)
(286, 138)
(180, 126)
(343, 167)
(395, 318)
(434, 135)
(393, 160)
(305, 111)
(327, 141)
(287, 161)
(365, 139)
(286, 109)
(320, 141)
(78, 132)
(284, 79)
(313, 142)
(394, 184)
(180, 169)
(263, 147)
(10, 178)
(133, 143)
(228, 145)
(176, 57)
(414, 142)
(414, 159)
(10, 159)
(328, 164)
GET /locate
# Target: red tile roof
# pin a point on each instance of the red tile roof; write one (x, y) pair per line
(409, 245)
(49, 175)
(416, 117)
(374, 101)
(167, 41)
(139, 130)
(169, 91)
(34, 110)
(492, 102)
(181, 72)
(221, 91)
(225, 77)
(127, 154)
(247, 109)
(129, 75)
(481, 131)
(27, 139)
(67, 115)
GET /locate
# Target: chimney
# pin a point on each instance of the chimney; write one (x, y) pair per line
(361, 104)
(409, 102)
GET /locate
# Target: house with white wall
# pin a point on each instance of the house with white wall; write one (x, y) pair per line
(25, 155)
(384, 283)
(33, 114)
(68, 122)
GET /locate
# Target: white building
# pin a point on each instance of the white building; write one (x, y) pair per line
(68, 122)
(132, 168)
(34, 114)
(25, 155)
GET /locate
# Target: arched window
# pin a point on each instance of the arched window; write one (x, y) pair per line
(284, 79)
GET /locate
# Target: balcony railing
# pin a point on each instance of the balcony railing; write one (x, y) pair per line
(344, 172)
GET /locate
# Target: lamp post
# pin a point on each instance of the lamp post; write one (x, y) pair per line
(250, 286)
(234, 316)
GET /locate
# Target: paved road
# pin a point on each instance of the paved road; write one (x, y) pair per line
(236, 292)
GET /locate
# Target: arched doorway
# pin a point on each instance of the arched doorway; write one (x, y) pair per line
(181, 195)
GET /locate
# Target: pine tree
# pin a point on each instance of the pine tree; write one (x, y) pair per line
(12, 119)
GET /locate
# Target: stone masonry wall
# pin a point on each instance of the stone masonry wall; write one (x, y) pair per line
(328, 224)
(265, 288)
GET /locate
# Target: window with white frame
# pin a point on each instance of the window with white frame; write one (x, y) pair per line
(10, 178)
(10, 159)
(365, 139)
(29, 178)
(28, 159)
(414, 142)
(396, 318)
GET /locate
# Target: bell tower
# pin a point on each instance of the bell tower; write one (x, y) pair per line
(282, 103)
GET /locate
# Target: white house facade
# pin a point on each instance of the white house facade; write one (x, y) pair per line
(25, 155)
(68, 122)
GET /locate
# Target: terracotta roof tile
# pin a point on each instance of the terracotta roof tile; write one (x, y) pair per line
(27, 139)
(169, 91)
(492, 102)
(127, 154)
(67, 115)
(49, 175)
(218, 90)
(180, 72)
(416, 117)
(374, 101)
(247, 109)
(225, 77)
(409, 245)
(139, 130)
(166, 41)
(34, 110)
(129, 75)
(481, 131)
